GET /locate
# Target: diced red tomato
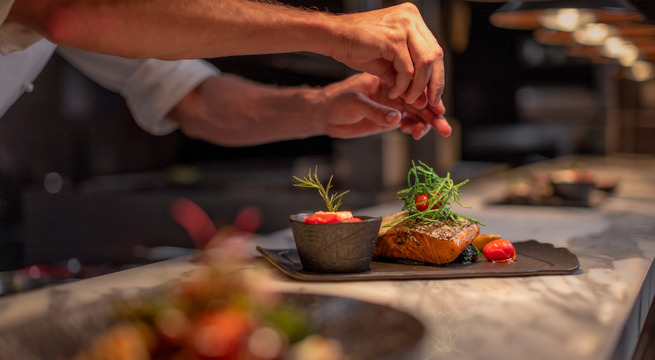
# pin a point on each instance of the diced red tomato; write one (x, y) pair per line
(422, 202)
(500, 250)
(352, 220)
(325, 217)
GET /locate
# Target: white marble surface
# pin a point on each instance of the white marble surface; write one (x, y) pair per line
(594, 314)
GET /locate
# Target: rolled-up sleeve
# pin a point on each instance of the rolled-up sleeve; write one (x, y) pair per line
(14, 37)
(150, 87)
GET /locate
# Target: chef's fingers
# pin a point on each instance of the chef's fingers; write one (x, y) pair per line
(419, 123)
(423, 60)
(420, 130)
(442, 126)
(439, 123)
(437, 84)
(362, 128)
(433, 55)
(438, 109)
(359, 106)
(420, 102)
(404, 67)
(384, 70)
(413, 127)
(434, 115)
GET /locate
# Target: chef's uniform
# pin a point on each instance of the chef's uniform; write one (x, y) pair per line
(150, 87)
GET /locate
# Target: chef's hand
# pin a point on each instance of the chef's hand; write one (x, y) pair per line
(360, 105)
(395, 44)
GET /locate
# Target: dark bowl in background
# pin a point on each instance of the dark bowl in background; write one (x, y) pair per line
(344, 247)
(578, 191)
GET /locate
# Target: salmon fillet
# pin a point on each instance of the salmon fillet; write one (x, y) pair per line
(431, 242)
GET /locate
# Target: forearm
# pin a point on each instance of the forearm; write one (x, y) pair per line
(248, 113)
(173, 29)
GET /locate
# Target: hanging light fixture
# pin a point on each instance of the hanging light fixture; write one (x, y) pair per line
(642, 71)
(562, 15)
(594, 34)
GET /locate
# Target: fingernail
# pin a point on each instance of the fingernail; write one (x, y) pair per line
(393, 116)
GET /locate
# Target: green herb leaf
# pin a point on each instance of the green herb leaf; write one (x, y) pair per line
(422, 179)
(333, 201)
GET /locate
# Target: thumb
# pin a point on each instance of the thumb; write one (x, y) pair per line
(377, 113)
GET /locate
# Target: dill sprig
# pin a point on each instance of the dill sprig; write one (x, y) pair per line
(332, 202)
(443, 193)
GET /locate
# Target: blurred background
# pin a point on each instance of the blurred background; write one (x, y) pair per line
(79, 181)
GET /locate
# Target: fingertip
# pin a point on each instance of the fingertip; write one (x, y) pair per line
(419, 130)
(406, 126)
(393, 117)
(443, 127)
(401, 85)
(435, 100)
(438, 109)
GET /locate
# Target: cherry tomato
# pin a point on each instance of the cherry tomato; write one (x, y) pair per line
(500, 250)
(422, 202)
(324, 217)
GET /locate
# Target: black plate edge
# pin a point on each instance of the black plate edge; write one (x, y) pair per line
(524, 248)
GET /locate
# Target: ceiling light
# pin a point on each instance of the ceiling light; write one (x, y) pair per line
(629, 55)
(593, 34)
(613, 46)
(642, 71)
(565, 19)
(562, 14)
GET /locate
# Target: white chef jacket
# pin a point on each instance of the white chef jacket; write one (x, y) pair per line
(150, 87)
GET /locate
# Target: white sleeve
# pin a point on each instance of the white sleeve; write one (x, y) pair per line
(14, 37)
(151, 87)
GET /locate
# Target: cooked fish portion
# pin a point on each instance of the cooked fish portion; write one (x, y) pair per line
(431, 242)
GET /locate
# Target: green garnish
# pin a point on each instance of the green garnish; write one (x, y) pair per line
(332, 202)
(422, 179)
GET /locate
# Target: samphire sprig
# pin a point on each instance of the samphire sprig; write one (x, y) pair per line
(442, 191)
(332, 202)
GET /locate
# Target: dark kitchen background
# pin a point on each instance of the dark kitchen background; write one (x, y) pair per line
(79, 180)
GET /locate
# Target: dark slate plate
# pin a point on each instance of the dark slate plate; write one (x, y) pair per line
(365, 331)
(533, 258)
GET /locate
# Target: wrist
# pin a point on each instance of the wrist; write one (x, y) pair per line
(319, 33)
(311, 120)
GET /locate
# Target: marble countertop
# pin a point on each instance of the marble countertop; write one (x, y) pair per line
(595, 313)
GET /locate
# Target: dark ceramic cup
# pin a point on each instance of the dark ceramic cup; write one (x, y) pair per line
(336, 247)
(573, 191)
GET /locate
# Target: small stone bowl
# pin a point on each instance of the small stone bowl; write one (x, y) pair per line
(336, 247)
